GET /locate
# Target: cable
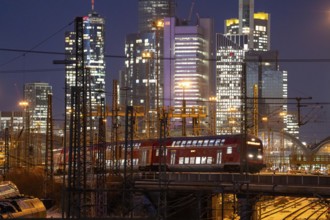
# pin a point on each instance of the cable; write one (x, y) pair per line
(37, 45)
(284, 60)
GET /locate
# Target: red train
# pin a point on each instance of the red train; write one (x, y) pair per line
(194, 154)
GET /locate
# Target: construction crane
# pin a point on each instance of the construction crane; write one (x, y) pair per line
(191, 11)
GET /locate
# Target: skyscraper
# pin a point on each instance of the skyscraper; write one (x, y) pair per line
(142, 80)
(261, 31)
(230, 53)
(152, 10)
(94, 62)
(36, 95)
(187, 70)
(246, 40)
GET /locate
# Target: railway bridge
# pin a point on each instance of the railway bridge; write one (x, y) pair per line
(248, 188)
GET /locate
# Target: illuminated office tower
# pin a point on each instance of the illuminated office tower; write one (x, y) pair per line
(255, 25)
(152, 10)
(261, 31)
(272, 83)
(250, 32)
(187, 68)
(94, 62)
(230, 52)
(140, 73)
(36, 96)
(245, 16)
(142, 79)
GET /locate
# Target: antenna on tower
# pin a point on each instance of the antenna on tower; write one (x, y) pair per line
(92, 5)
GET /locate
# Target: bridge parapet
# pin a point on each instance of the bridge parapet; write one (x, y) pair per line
(274, 184)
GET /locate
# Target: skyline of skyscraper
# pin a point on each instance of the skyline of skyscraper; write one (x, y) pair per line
(36, 96)
(247, 40)
(94, 60)
(150, 11)
(188, 72)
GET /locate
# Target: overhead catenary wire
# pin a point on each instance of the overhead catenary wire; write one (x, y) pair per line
(37, 45)
(293, 60)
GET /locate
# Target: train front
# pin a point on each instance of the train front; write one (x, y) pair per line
(254, 154)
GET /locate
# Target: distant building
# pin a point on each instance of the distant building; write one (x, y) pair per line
(36, 95)
(152, 10)
(247, 40)
(141, 73)
(188, 72)
(141, 82)
(94, 61)
(229, 58)
(11, 120)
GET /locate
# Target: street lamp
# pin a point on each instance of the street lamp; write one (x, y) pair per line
(26, 125)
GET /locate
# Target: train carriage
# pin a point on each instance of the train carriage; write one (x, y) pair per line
(210, 153)
(200, 154)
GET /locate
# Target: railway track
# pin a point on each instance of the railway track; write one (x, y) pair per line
(294, 209)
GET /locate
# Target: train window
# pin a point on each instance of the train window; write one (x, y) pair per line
(198, 160)
(192, 160)
(211, 142)
(206, 142)
(204, 159)
(176, 143)
(229, 150)
(186, 160)
(181, 160)
(157, 152)
(194, 142)
(209, 160)
(217, 142)
(219, 157)
(173, 156)
(189, 142)
(183, 143)
(200, 143)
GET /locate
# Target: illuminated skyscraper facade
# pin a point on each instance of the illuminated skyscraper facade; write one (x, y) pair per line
(94, 62)
(246, 39)
(152, 10)
(36, 95)
(187, 68)
(140, 73)
(230, 53)
(261, 31)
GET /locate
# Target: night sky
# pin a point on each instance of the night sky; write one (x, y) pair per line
(300, 29)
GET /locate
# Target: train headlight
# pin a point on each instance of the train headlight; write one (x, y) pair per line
(259, 157)
(250, 155)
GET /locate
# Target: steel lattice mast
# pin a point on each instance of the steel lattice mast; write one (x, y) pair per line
(49, 159)
(79, 164)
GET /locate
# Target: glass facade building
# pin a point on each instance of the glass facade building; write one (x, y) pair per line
(36, 95)
(229, 58)
(94, 61)
(247, 39)
(261, 32)
(152, 10)
(140, 74)
(187, 70)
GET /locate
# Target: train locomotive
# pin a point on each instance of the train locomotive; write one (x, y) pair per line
(189, 154)
(16, 205)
